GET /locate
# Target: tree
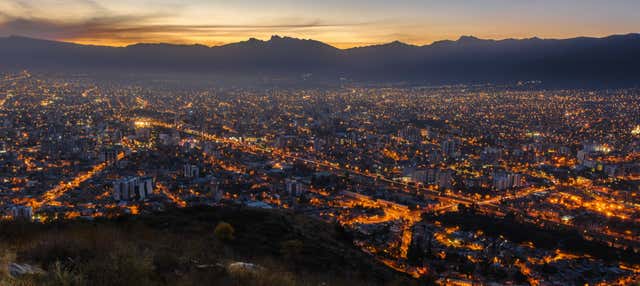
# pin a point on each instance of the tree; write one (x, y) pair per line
(224, 231)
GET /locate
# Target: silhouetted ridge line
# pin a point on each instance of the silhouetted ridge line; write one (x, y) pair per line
(612, 59)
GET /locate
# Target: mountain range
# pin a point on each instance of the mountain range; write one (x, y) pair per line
(609, 60)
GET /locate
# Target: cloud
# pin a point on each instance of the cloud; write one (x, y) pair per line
(49, 28)
(91, 23)
(125, 29)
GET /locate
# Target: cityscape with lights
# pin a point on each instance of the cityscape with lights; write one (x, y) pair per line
(429, 181)
(319, 143)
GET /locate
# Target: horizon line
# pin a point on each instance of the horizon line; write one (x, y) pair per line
(84, 43)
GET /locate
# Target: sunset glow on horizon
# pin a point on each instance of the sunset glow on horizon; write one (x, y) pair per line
(342, 24)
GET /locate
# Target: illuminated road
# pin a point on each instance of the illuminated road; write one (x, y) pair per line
(174, 198)
(64, 187)
(520, 194)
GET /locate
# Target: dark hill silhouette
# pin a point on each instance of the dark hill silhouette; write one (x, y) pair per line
(613, 59)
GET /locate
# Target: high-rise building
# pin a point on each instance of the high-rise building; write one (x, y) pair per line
(191, 171)
(445, 179)
(109, 155)
(21, 213)
(503, 181)
(132, 188)
(295, 187)
(450, 148)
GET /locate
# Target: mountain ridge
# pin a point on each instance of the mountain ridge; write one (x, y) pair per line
(278, 37)
(611, 59)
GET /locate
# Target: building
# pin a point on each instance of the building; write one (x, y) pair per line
(165, 139)
(191, 171)
(450, 148)
(109, 155)
(419, 176)
(410, 134)
(445, 179)
(214, 189)
(503, 181)
(132, 188)
(21, 213)
(295, 188)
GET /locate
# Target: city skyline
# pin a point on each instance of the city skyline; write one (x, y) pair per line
(342, 24)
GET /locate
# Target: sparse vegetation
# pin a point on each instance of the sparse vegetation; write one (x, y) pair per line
(177, 248)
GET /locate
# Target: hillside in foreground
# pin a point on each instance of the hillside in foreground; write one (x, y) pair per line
(184, 247)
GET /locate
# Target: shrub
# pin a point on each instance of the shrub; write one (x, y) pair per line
(224, 231)
(61, 276)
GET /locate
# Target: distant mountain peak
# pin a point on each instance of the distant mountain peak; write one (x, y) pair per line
(397, 43)
(387, 46)
(290, 42)
(470, 39)
(277, 37)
